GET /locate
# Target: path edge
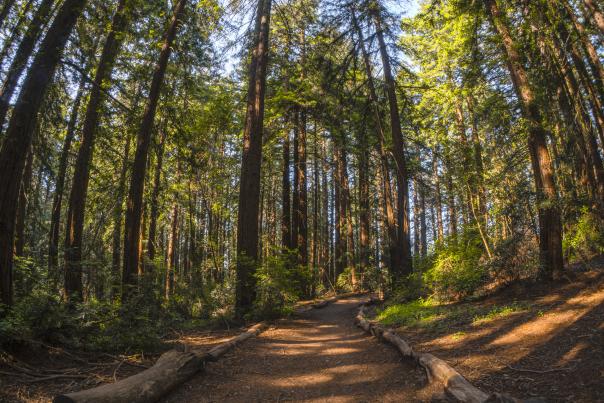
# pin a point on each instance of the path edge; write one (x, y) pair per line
(437, 370)
(171, 370)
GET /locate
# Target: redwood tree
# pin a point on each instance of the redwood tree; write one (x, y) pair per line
(21, 129)
(134, 205)
(249, 188)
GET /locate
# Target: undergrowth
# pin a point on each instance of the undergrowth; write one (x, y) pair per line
(428, 313)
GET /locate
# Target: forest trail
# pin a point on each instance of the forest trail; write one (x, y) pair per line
(317, 356)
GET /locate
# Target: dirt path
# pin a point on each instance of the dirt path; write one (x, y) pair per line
(319, 356)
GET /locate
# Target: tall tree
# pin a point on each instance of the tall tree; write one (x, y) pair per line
(399, 152)
(550, 226)
(81, 174)
(22, 54)
(134, 205)
(19, 134)
(249, 191)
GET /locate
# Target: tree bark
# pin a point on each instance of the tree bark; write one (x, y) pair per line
(24, 195)
(596, 14)
(55, 221)
(286, 220)
(438, 199)
(172, 253)
(422, 222)
(155, 199)
(22, 54)
(81, 174)
(364, 207)
(15, 30)
(590, 50)
(6, 6)
(301, 213)
(134, 205)
(549, 214)
(341, 251)
(398, 142)
(394, 247)
(21, 128)
(249, 193)
(118, 213)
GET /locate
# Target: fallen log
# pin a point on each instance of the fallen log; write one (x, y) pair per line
(454, 383)
(171, 370)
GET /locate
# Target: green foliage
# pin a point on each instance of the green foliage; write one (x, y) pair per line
(456, 271)
(278, 286)
(344, 281)
(585, 238)
(499, 312)
(410, 313)
(428, 313)
(91, 326)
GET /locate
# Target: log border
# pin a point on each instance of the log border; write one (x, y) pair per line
(437, 370)
(172, 369)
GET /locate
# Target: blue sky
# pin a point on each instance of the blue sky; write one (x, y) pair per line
(400, 8)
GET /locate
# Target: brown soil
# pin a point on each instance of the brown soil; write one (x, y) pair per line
(34, 373)
(553, 348)
(317, 357)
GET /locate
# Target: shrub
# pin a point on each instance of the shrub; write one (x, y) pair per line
(278, 286)
(456, 271)
(585, 238)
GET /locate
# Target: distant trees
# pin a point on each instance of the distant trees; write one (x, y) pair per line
(354, 150)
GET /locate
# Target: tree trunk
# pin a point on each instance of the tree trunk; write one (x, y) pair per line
(155, 199)
(451, 203)
(118, 212)
(249, 193)
(596, 14)
(81, 174)
(22, 54)
(399, 154)
(364, 207)
(394, 246)
(172, 253)
(24, 195)
(422, 222)
(590, 50)
(438, 199)
(55, 221)
(416, 224)
(301, 201)
(340, 210)
(550, 241)
(286, 220)
(585, 136)
(478, 163)
(134, 209)
(326, 230)
(21, 128)
(6, 6)
(296, 189)
(15, 30)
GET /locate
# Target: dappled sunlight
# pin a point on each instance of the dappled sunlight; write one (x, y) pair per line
(321, 357)
(541, 329)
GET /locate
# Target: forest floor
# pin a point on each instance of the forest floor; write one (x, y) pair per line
(527, 340)
(317, 356)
